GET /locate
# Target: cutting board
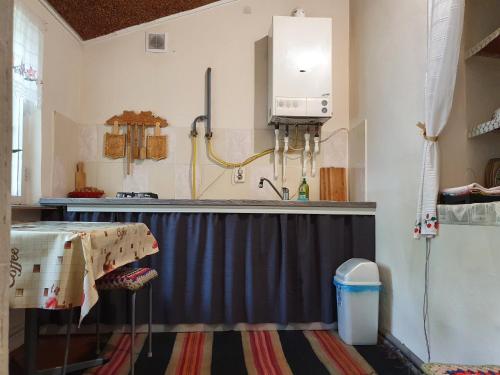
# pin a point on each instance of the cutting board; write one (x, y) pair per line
(80, 177)
(142, 149)
(114, 143)
(135, 147)
(333, 186)
(157, 145)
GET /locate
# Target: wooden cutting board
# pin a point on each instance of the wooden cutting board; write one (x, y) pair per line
(142, 149)
(333, 186)
(80, 177)
(114, 143)
(135, 147)
(157, 145)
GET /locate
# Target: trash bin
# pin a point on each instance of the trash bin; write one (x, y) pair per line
(358, 287)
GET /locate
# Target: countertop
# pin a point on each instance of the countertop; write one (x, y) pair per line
(206, 205)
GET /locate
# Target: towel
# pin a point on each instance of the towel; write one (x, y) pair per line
(473, 188)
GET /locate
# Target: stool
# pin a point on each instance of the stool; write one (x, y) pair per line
(131, 279)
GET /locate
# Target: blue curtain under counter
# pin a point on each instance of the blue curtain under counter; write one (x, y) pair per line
(224, 268)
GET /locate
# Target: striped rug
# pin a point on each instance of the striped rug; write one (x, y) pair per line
(117, 351)
(235, 353)
(450, 369)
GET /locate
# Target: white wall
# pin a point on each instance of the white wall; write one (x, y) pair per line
(118, 75)
(357, 162)
(388, 51)
(62, 72)
(387, 76)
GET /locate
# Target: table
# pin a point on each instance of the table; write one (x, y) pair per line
(54, 265)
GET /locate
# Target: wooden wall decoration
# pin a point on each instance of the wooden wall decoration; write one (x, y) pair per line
(146, 118)
(135, 143)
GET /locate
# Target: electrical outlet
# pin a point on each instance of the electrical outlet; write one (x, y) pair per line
(238, 175)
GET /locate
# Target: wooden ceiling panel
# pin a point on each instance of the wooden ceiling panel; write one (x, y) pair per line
(94, 18)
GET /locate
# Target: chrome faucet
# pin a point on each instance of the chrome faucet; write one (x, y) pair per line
(283, 196)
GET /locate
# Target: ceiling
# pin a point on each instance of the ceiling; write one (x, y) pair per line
(93, 18)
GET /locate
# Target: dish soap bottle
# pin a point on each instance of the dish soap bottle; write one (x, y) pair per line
(304, 191)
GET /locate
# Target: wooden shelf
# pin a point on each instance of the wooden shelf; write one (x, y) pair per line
(484, 128)
(488, 47)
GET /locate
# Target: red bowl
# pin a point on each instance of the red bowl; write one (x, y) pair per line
(85, 194)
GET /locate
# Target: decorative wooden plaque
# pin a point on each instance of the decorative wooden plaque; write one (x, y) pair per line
(146, 118)
(136, 123)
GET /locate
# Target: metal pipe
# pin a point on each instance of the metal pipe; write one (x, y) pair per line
(276, 150)
(208, 130)
(194, 132)
(207, 117)
(305, 153)
(285, 154)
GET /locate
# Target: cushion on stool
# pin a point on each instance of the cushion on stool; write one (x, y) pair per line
(126, 278)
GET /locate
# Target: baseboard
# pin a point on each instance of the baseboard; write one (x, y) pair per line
(51, 329)
(409, 355)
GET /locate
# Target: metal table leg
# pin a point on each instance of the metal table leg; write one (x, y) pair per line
(31, 344)
(132, 343)
(97, 329)
(30, 340)
(150, 339)
(68, 337)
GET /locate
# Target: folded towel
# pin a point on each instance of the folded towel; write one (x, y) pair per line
(473, 188)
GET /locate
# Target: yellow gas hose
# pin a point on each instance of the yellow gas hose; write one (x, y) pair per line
(218, 160)
(193, 167)
(227, 164)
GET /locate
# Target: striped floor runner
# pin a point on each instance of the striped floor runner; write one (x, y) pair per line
(235, 353)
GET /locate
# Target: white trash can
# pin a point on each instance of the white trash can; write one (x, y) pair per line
(358, 287)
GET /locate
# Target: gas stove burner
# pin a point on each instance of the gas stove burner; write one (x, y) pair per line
(146, 195)
(124, 195)
(136, 195)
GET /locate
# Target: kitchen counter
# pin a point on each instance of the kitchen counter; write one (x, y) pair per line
(236, 261)
(220, 206)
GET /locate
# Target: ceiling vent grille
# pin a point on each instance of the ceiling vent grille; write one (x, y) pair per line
(156, 42)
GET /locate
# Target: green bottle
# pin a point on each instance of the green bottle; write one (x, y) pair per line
(304, 191)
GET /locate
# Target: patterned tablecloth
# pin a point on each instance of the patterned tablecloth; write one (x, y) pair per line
(487, 214)
(54, 265)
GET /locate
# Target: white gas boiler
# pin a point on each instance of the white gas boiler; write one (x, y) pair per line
(300, 70)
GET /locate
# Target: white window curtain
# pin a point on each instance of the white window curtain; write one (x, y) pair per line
(26, 87)
(445, 24)
(27, 58)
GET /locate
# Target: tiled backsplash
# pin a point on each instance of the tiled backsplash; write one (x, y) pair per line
(171, 177)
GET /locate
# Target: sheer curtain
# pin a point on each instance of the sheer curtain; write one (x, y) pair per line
(26, 85)
(445, 24)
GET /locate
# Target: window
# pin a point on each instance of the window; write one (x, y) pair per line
(26, 92)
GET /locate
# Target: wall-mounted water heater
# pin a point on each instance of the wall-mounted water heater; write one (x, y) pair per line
(300, 70)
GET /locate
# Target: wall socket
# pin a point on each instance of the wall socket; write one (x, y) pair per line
(239, 175)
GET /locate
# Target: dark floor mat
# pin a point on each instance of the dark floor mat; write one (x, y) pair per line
(386, 360)
(227, 356)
